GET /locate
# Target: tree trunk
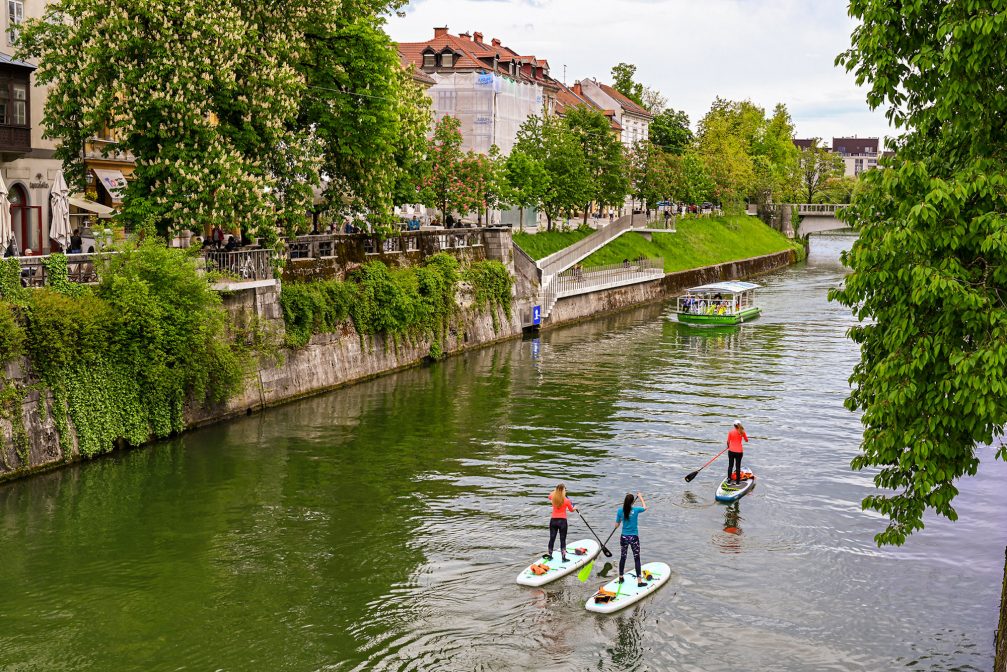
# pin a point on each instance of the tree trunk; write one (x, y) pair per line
(586, 208)
(1000, 664)
(520, 219)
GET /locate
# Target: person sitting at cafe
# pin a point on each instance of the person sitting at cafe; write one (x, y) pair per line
(232, 244)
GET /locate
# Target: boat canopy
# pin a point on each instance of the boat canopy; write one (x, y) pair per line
(724, 287)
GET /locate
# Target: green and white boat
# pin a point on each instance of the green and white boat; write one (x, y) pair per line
(720, 303)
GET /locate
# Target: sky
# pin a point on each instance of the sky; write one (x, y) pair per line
(766, 51)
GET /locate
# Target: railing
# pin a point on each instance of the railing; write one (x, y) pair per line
(818, 208)
(244, 264)
(327, 245)
(802, 208)
(567, 257)
(578, 280)
(80, 269)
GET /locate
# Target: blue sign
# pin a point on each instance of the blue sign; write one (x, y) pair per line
(536, 315)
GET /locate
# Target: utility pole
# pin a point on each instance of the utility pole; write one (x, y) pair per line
(564, 74)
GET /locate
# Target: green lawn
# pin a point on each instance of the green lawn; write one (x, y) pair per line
(541, 245)
(697, 243)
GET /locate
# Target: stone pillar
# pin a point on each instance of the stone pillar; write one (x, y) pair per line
(499, 246)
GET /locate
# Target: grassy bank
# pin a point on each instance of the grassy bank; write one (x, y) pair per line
(697, 243)
(541, 245)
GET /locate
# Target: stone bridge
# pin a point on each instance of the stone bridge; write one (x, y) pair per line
(814, 217)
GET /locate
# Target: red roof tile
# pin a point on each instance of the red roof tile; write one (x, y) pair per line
(626, 103)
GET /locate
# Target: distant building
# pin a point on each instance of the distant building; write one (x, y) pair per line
(570, 97)
(632, 118)
(490, 88)
(859, 154)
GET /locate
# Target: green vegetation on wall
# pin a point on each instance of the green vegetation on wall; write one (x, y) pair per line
(124, 358)
(411, 302)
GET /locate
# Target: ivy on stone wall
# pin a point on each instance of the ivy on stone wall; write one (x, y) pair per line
(491, 287)
(123, 359)
(414, 302)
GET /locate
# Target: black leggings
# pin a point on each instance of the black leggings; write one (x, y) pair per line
(734, 464)
(557, 525)
(628, 541)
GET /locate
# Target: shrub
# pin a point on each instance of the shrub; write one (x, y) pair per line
(11, 335)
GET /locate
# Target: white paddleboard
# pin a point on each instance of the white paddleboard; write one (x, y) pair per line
(628, 592)
(557, 568)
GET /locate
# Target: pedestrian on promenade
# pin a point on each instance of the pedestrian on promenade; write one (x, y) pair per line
(630, 539)
(557, 524)
(735, 451)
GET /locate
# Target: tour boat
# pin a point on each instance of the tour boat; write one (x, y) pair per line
(719, 303)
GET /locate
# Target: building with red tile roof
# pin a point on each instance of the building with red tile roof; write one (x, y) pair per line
(492, 89)
(633, 119)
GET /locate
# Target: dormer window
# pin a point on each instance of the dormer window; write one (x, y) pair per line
(429, 60)
(447, 59)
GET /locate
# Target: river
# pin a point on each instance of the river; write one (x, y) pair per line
(381, 527)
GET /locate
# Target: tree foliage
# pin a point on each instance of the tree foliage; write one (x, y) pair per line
(550, 143)
(369, 116)
(603, 157)
(204, 96)
(623, 82)
(670, 131)
(455, 181)
(233, 108)
(816, 166)
(748, 154)
(929, 269)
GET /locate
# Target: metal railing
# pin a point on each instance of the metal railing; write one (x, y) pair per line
(80, 269)
(243, 264)
(818, 208)
(567, 257)
(578, 281)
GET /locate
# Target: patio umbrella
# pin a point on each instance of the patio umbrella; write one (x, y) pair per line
(6, 232)
(59, 227)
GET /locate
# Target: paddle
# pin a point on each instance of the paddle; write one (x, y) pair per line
(604, 549)
(688, 479)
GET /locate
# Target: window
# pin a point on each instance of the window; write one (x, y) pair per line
(13, 100)
(447, 59)
(15, 16)
(19, 110)
(429, 60)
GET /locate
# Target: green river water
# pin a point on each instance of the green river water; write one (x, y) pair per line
(381, 527)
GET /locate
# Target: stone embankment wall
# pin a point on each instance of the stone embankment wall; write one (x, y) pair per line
(334, 360)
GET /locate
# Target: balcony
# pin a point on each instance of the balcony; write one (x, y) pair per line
(103, 149)
(15, 140)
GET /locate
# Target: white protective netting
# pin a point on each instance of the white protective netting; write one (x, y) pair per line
(490, 108)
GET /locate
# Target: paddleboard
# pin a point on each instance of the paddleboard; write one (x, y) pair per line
(729, 492)
(627, 592)
(557, 568)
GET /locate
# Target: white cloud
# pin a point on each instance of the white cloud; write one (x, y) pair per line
(767, 51)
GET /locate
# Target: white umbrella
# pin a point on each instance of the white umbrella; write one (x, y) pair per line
(59, 227)
(6, 232)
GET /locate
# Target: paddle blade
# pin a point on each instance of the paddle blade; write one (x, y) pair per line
(584, 574)
(688, 479)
